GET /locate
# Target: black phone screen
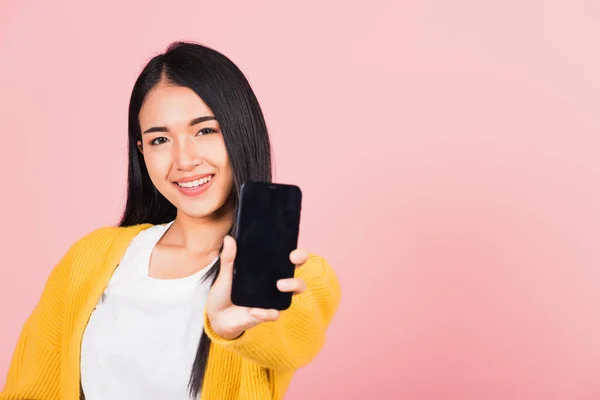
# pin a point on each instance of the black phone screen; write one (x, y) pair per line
(268, 222)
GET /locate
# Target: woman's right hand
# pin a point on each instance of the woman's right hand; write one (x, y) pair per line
(228, 320)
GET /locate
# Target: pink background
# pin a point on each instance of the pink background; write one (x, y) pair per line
(448, 152)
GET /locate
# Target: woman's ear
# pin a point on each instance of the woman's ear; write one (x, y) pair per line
(139, 146)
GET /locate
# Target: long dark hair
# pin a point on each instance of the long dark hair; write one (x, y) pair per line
(226, 91)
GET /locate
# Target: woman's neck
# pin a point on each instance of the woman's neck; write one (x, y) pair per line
(199, 235)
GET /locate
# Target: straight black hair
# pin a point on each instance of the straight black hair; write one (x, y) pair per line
(227, 92)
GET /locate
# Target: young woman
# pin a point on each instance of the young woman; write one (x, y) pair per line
(143, 310)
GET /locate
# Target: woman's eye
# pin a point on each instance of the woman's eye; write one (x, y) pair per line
(158, 140)
(206, 131)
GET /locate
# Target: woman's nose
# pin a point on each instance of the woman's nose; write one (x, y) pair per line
(187, 155)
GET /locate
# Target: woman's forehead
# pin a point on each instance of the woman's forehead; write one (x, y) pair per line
(170, 104)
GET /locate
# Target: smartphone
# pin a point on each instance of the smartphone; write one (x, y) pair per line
(267, 229)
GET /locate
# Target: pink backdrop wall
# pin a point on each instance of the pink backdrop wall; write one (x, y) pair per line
(448, 152)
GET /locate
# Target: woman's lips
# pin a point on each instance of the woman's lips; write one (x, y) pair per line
(196, 187)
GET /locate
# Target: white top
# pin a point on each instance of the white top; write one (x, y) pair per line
(142, 338)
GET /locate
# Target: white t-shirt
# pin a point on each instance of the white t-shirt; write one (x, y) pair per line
(142, 338)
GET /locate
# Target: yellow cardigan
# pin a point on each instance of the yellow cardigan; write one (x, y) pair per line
(258, 365)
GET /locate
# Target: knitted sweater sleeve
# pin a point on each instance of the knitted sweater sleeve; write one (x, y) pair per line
(299, 334)
(34, 372)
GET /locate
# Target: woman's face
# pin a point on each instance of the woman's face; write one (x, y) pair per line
(184, 150)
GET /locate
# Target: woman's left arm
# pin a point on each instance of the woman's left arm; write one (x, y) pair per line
(285, 340)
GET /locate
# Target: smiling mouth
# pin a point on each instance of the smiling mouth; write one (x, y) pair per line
(195, 184)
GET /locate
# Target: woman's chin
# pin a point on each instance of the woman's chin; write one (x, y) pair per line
(196, 213)
(204, 211)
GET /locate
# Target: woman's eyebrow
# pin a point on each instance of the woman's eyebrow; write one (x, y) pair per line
(192, 123)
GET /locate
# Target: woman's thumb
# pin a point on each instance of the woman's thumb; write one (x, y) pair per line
(227, 259)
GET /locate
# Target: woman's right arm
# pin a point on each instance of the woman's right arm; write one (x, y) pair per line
(34, 372)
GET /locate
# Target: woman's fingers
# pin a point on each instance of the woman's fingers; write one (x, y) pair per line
(299, 257)
(230, 321)
(264, 315)
(294, 285)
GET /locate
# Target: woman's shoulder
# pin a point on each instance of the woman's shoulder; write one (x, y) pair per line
(88, 256)
(107, 236)
(93, 248)
(95, 251)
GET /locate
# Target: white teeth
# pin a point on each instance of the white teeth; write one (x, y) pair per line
(195, 183)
